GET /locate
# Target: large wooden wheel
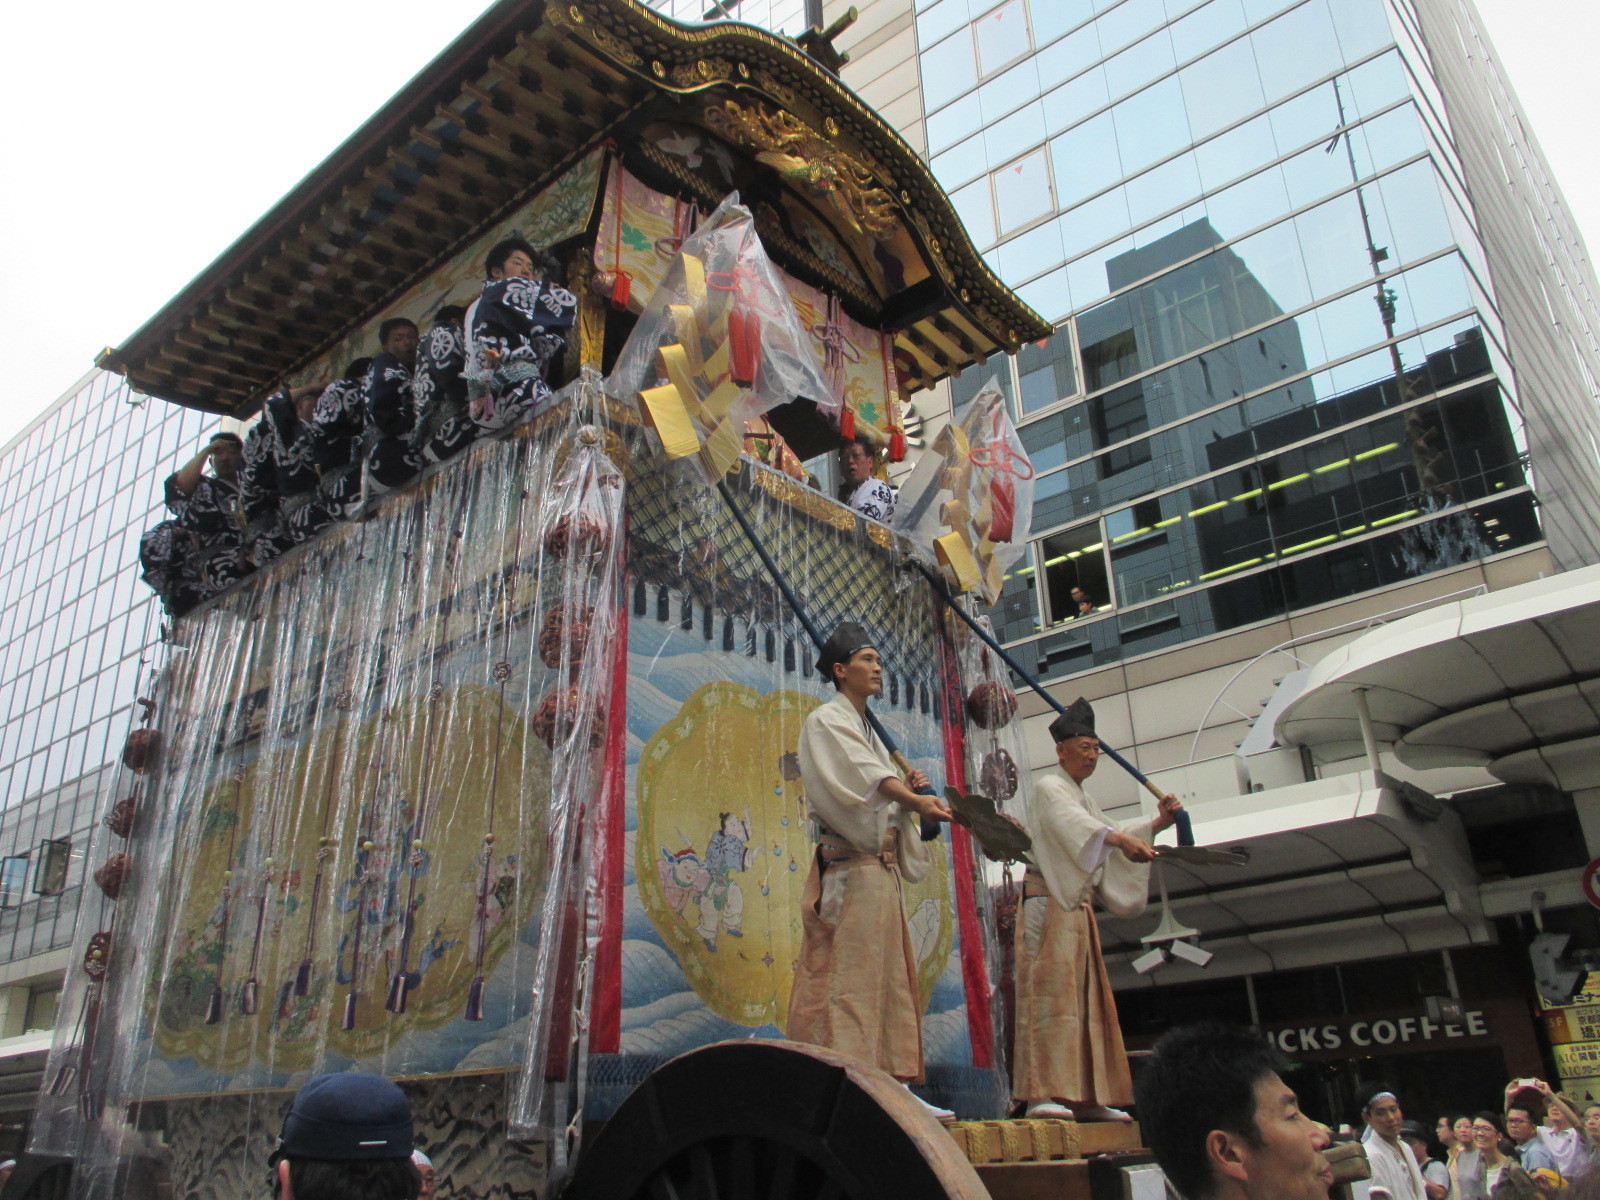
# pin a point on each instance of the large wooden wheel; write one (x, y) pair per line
(767, 1120)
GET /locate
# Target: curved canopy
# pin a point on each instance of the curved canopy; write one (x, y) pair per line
(527, 91)
(1509, 681)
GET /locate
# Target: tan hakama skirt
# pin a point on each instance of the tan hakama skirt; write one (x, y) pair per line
(1068, 1041)
(855, 986)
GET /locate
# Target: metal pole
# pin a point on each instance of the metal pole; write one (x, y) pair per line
(1184, 824)
(815, 634)
(1369, 738)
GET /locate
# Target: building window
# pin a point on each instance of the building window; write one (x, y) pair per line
(1045, 371)
(50, 875)
(1002, 37)
(13, 879)
(1022, 191)
(42, 1005)
(1077, 583)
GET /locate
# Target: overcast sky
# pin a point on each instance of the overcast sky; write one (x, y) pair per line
(143, 139)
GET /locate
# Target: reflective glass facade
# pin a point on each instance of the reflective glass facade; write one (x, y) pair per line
(1281, 374)
(76, 628)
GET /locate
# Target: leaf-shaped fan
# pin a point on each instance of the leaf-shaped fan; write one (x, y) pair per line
(1003, 838)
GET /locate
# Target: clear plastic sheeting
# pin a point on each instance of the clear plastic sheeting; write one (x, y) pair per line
(718, 344)
(968, 504)
(583, 528)
(365, 833)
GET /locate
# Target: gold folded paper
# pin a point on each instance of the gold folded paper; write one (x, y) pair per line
(723, 447)
(722, 399)
(675, 366)
(664, 409)
(694, 284)
(953, 514)
(687, 328)
(955, 554)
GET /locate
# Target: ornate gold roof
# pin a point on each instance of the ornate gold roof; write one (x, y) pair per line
(840, 199)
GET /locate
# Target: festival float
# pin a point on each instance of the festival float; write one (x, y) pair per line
(492, 788)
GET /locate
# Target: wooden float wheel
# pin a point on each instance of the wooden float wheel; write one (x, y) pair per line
(770, 1120)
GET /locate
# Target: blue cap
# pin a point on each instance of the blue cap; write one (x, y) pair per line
(347, 1117)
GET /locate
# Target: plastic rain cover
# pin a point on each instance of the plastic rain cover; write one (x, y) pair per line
(719, 343)
(365, 838)
(968, 504)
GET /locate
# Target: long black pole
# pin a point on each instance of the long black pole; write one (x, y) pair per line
(1185, 826)
(767, 560)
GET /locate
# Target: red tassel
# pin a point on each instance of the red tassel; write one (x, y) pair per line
(744, 347)
(621, 289)
(897, 445)
(847, 423)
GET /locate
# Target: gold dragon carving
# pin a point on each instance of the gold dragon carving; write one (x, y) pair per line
(792, 148)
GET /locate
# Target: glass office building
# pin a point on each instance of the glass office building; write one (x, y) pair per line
(78, 632)
(1282, 373)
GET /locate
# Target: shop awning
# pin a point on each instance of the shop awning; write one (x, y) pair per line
(1509, 681)
(1354, 867)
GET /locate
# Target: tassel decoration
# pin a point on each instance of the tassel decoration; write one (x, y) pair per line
(396, 1002)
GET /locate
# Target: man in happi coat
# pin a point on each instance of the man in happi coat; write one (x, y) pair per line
(855, 985)
(1069, 1058)
(211, 524)
(858, 487)
(444, 427)
(513, 329)
(391, 415)
(277, 465)
(333, 443)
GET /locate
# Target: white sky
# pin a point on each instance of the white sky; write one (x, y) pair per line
(144, 138)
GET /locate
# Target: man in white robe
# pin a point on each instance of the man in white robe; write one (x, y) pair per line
(1069, 1058)
(1395, 1174)
(855, 984)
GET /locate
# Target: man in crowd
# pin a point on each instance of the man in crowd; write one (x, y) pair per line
(346, 1137)
(1395, 1173)
(1069, 1058)
(390, 413)
(513, 330)
(1564, 1133)
(855, 985)
(1523, 1130)
(444, 426)
(1221, 1122)
(858, 488)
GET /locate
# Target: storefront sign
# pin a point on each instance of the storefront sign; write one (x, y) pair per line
(1575, 1023)
(1393, 1032)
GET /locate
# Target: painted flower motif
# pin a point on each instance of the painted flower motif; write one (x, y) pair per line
(501, 671)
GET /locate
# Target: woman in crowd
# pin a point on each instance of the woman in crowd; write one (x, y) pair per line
(1465, 1169)
(1489, 1138)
